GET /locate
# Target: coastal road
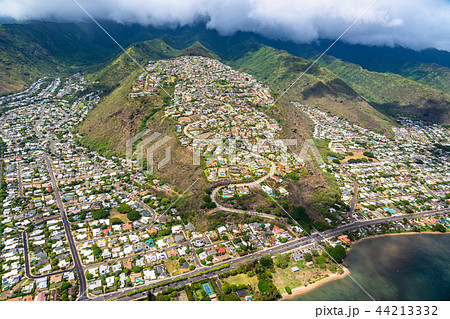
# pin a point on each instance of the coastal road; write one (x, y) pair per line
(294, 244)
(78, 267)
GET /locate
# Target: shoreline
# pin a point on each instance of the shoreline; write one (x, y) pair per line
(410, 233)
(331, 277)
(301, 290)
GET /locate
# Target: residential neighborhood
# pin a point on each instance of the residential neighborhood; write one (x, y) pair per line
(77, 225)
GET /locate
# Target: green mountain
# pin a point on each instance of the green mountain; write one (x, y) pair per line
(393, 94)
(336, 85)
(393, 80)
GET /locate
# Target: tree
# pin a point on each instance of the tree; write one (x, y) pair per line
(440, 228)
(368, 154)
(266, 261)
(54, 262)
(115, 221)
(124, 208)
(150, 296)
(97, 251)
(100, 214)
(307, 257)
(136, 269)
(337, 253)
(133, 215)
(282, 261)
(231, 297)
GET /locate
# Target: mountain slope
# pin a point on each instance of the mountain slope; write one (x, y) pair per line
(319, 87)
(429, 67)
(393, 94)
(117, 117)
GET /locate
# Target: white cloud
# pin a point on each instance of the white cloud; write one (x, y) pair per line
(412, 23)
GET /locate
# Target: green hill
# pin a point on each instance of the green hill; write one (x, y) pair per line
(393, 94)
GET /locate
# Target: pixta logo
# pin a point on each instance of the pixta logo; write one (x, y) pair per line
(143, 146)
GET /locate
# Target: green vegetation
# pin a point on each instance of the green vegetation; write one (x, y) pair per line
(282, 261)
(337, 253)
(266, 261)
(100, 214)
(134, 215)
(393, 94)
(124, 208)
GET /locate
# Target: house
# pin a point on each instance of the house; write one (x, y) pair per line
(55, 279)
(221, 229)
(149, 274)
(41, 283)
(211, 250)
(242, 293)
(151, 258)
(160, 271)
(127, 264)
(40, 296)
(177, 229)
(171, 253)
(109, 281)
(161, 255)
(221, 250)
(179, 239)
(344, 239)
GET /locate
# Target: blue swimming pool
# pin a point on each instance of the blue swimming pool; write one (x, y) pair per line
(207, 288)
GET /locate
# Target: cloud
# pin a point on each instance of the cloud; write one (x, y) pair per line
(416, 24)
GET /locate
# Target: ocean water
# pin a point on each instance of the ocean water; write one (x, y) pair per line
(410, 267)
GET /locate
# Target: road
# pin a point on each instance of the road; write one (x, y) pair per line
(27, 262)
(78, 267)
(257, 182)
(294, 244)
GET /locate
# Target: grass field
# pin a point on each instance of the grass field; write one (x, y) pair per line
(242, 279)
(172, 267)
(303, 277)
(115, 214)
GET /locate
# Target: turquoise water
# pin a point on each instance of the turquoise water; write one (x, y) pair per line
(410, 267)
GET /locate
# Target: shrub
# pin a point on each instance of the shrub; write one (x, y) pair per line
(133, 215)
(124, 208)
(266, 261)
(263, 286)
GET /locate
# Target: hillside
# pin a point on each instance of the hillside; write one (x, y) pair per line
(430, 67)
(118, 117)
(39, 49)
(336, 86)
(319, 87)
(393, 94)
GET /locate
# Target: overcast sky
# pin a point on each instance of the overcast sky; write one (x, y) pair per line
(415, 24)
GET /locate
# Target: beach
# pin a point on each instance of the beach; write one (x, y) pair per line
(389, 267)
(332, 277)
(301, 290)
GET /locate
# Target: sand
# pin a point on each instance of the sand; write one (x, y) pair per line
(320, 282)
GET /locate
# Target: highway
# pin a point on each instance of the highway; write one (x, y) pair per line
(294, 244)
